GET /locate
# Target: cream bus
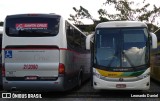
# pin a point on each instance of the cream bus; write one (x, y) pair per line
(121, 55)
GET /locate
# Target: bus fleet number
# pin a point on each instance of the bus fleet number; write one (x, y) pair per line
(30, 66)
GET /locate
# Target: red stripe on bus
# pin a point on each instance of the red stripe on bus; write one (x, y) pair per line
(69, 50)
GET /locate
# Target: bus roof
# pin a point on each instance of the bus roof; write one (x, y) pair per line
(115, 24)
(32, 15)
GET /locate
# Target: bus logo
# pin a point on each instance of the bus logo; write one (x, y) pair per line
(120, 79)
(8, 54)
(19, 27)
(6, 95)
(23, 26)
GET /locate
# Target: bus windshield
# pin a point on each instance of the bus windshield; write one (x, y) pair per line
(32, 26)
(121, 47)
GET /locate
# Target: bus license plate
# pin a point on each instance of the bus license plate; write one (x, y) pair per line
(31, 78)
(120, 85)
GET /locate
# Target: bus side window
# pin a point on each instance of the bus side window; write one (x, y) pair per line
(69, 35)
(83, 42)
(77, 39)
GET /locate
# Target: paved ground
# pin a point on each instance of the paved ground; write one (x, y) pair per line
(86, 93)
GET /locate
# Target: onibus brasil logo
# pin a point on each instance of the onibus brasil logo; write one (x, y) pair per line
(15, 95)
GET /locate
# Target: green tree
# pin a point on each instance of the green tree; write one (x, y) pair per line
(83, 13)
(125, 10)
(129, 10)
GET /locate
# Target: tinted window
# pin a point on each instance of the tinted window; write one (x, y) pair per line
(75, 39)
(70, 37)
(32, 26)
(83, 42)
(121, 47)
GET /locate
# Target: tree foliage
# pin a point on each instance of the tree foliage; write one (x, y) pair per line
(124, 10)
(129, 10)
(81, 13)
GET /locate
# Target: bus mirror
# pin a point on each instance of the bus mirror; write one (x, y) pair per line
(89, 39)
(154, 40)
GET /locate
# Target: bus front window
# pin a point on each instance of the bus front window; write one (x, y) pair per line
(134, 47)
(125, 47)
(107, 49)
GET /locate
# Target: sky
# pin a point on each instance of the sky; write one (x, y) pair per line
(63, 7)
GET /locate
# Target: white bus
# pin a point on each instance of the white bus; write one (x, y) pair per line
(1, 30)
(121, 55)
(43, 52)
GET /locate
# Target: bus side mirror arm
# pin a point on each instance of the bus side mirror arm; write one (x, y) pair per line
(88, 40)
(154, 40)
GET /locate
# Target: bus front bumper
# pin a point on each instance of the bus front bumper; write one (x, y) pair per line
(42, 86)
(143, 84)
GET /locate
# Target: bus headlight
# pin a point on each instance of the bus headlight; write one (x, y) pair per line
(97, 75)
(143, 76)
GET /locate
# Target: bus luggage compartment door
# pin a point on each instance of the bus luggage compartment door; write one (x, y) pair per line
(32, 63)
